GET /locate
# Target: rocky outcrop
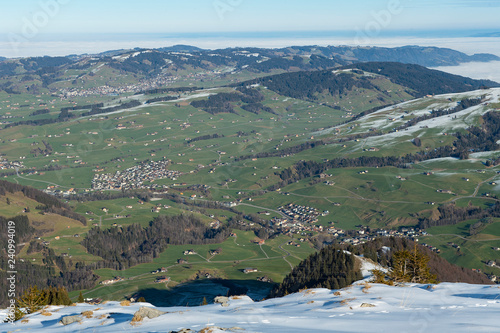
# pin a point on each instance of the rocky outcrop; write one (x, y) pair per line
(70, 320)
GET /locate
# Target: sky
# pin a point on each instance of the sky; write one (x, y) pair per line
(25, 25)
(164, 16)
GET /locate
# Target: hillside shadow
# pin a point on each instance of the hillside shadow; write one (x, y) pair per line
(49, 323)
(193, 293)
(479, 296)
(120, 318)
(52, 322)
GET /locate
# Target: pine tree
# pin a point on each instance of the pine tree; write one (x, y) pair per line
(141, 300)
(411, 267)
(80, 298)
(63, 297)
(32, 300)
(51, 295)
(400, 266)
(204, 301)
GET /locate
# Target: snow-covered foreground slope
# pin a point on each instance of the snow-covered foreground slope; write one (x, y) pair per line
(374, 308)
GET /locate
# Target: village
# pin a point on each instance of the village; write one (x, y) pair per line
(300, 214)
(107, 90)
(5, 164)
(159, 81)
(134, 177)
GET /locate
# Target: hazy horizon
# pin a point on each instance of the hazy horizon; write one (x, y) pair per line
(62, 27)
(68, 44)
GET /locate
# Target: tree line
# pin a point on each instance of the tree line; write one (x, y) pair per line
(83, 107)
(285, 151)
(205, 137)
(39, 112)
(162, 99)
(168, 90)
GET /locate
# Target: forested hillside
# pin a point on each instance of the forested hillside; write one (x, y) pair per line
(123, 248)
(422, 80)
(417, 81)
(330, 268)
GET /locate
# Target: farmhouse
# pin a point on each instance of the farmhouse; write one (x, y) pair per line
(491, 263)
(162, 279)
(108, 282)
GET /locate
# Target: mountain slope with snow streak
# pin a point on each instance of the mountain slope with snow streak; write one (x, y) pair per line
(389, 118)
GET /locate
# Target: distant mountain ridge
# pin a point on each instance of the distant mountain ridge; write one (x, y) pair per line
(424, 56)
(428, 56)
(181, 48)
(491, 34)
(420, 55)
(411, 54)
(35, 73)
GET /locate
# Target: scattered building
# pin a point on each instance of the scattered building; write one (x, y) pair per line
(112, 281)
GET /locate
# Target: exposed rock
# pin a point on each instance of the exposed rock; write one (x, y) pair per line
(184, 330)
(70, 320)
(145, 312)
(222, 300)
(367, 305)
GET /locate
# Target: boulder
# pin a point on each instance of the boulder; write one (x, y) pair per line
(367, 305)
(145, 312)
(222, 300)
(70, 320)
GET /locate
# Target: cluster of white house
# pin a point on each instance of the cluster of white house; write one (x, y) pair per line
(134, 177)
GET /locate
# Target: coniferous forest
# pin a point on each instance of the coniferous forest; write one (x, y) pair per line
(330, 268)
(335, 266)
(125, 247)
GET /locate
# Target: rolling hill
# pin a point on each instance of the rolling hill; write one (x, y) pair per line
(372, 84)
(169, 64)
